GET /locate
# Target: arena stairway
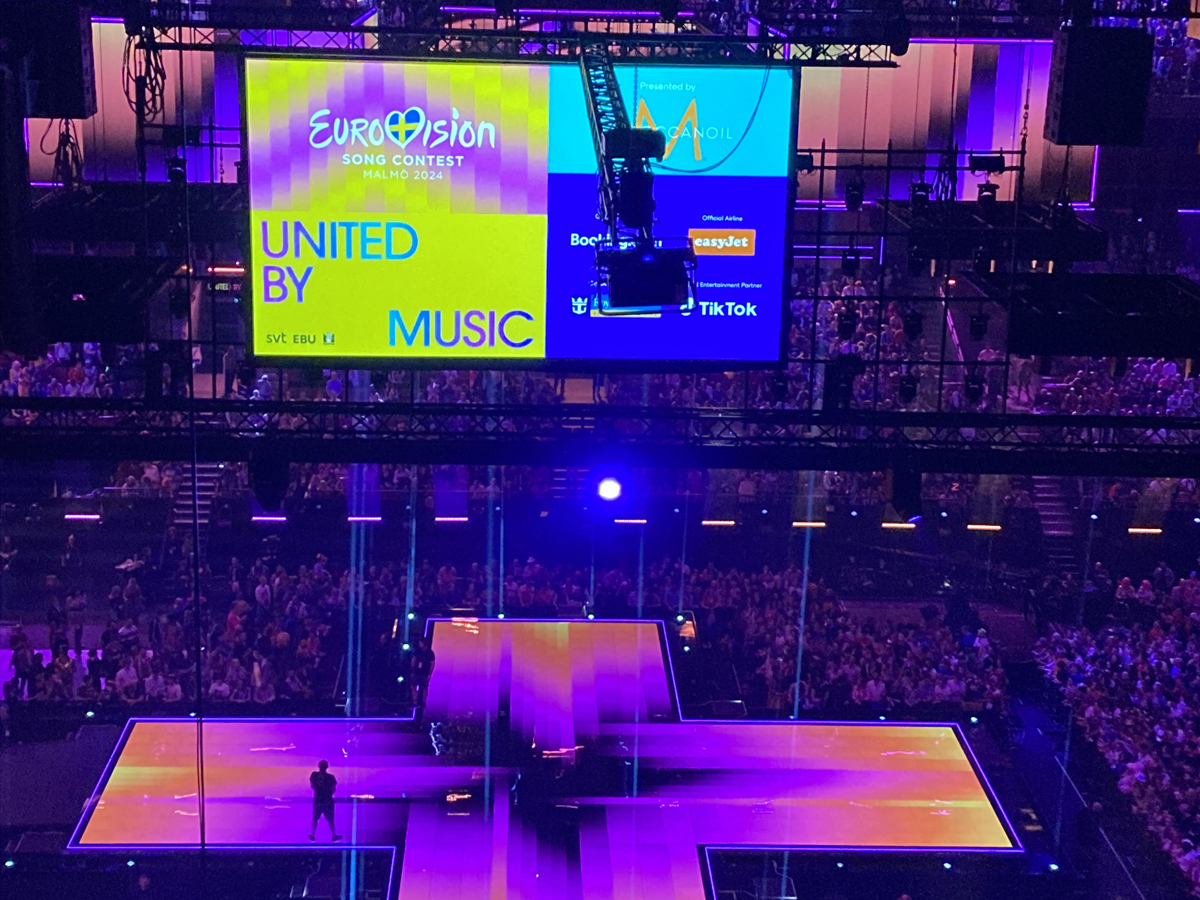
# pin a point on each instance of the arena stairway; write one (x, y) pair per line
(208, 476)
(1058, 522)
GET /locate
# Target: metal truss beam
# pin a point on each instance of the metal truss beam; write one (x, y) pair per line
(579, 433)
(607, 114)
(529, 46)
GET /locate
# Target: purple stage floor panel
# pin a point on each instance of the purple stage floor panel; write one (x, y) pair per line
(558, 680)
(610, 796)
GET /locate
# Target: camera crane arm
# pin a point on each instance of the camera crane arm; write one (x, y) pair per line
(622, 152)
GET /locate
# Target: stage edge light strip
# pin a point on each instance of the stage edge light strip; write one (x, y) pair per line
(900, 526)
(268, 518)
(718, 523)
(629, 521)
(587, 13)
(82, 517)
(1145, 531)
(450, 519)
(808, 524)
(977, 527)
(364, 518)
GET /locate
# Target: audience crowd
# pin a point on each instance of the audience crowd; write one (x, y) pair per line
(891, 351)
(269, 632)
(1132, 683)
(263, 635)
(1147, 387)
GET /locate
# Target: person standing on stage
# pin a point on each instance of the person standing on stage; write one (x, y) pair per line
(323, 785)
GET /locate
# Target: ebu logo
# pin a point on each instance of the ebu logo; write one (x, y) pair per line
(475, 328)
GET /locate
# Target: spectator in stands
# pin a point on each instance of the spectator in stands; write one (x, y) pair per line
(127, 681)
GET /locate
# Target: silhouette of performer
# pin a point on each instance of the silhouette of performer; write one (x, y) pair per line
(323, 785)
(422, 663)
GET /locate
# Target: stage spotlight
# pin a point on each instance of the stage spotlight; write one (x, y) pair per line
(908, 393)
(979, 327)
(9, 863)
(840, 373)
(679, 618)
(850, 262)
(986, 162)
(945, 514)
(974, 388)
(268, 477)
(974, 720)
(407, 646)
(591, 615)
(179, 302)
(399, 679)
(841, 865)
(846, 325)
(130, 863)
(1053, 867)
(1094, 517)
(854, 512)
(914, 324)
(987, 195)
(902, 488)
(919, 194)
(411, 616)
(856, 190)
(945, 865)
(686, 648)
(500, 616)
(778, 384)
(91, 714)
(609, 489)
(176, 170)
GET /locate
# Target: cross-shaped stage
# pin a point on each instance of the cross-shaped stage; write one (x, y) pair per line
(562, 770)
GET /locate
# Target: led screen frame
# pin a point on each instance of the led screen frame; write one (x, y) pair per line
(587, 364)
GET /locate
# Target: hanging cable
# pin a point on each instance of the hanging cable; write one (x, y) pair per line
(862, 155)
(762, 91)
(68, 155)
(945, 183)
(1028, 93)
(148, 64)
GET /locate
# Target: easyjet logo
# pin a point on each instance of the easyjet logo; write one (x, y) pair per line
(722, 241)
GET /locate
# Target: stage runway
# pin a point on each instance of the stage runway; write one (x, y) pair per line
(589, 785)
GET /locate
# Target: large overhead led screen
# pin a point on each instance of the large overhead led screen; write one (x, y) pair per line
(426, 212)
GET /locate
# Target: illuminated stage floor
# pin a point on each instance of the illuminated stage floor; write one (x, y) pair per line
(589, 786)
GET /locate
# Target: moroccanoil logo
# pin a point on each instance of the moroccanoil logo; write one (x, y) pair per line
(689, 127)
